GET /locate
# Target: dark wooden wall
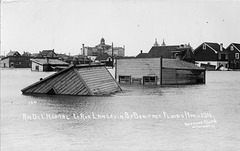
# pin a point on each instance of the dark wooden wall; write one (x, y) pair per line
(174, 76)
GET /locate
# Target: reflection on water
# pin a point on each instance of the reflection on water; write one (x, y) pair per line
(87, 127)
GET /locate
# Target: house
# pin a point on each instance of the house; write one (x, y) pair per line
(13, 54)
(182, 52)
(158, 71)
(234, 58)
(76, 80)
(104, 58)
(14, 60)
(27, 54)
(211, 54)
(47, 64)
(47, 53)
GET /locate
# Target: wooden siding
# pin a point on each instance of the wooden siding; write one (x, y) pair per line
(137, 68)
(98, 80)
(66, 83)
(173, 76)
(5, 63)
(169, 76)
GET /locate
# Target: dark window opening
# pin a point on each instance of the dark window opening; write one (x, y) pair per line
(124, 79)
(37, 68)
(149, 80)
(199, 80)
(137, 80)
(51, 92)
(223, 56)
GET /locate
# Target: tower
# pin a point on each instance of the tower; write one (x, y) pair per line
(163, 43)
(102, 41)
(156, 43)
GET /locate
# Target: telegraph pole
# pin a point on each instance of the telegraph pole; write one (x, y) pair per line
(112, 56)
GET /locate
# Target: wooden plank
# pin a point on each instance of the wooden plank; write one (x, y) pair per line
(48, 83)
(53, 83)
(65, 80)
(72, 86)
(69, 85)
(79, 76)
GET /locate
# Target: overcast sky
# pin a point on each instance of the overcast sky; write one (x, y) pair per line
(64, 25)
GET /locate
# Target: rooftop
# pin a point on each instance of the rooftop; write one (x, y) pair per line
(49, 61)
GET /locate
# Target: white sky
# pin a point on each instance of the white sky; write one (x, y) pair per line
(64, 25)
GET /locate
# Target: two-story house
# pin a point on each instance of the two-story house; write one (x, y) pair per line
(14, 60)
(181, 52)
(47, 53)
(234, 55)
(211, 54)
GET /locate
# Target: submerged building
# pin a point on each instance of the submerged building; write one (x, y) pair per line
(76, 80)
(158, 71)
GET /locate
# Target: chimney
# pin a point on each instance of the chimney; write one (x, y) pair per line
(141, 51)
(221, 46)
(83, 49)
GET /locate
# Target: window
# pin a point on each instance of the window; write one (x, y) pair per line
(136, 80)
(219, 56)
(204, 46)
(226, 56)
(37, 68)
(237, 55)
(124, 79)
(149, 80)
(231, 48)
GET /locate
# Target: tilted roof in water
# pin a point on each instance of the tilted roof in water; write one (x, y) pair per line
(76, 80)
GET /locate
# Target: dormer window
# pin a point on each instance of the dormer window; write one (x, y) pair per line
(204, 46)
(231, 48)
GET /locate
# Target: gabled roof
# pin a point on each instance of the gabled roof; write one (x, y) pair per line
(76, 80)
(179, 64)
(49, 61)
(47, 53)
(186, 54)
(104, 56)
(143, 55)
(214, 46)
(13, 53)
(162, 51)
(236, 46)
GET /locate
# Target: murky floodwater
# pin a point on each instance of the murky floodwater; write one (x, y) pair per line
(188, 117)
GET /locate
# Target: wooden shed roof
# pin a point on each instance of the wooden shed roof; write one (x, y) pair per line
(76, 80)
(49, 61)
(179, 64)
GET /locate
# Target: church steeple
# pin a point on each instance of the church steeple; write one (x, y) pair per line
(163, 43)
(156, 43)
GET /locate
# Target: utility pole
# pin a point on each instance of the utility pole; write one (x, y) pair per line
(83, 53)
(112, 56)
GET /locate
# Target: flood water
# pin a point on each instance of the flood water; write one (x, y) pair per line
(168, 118)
